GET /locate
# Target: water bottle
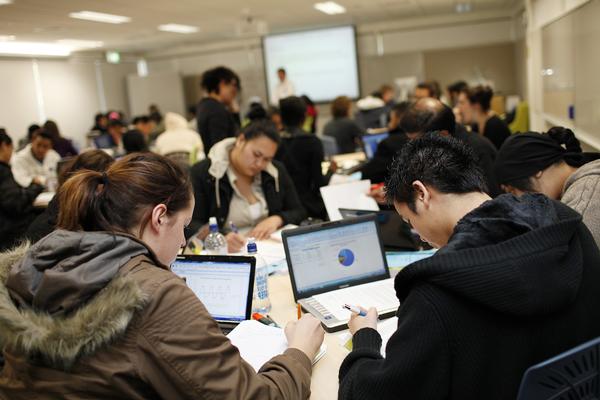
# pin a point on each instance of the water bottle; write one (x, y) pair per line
(260, 298)
(215, 243)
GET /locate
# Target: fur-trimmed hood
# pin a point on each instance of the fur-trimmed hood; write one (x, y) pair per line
(64, 298)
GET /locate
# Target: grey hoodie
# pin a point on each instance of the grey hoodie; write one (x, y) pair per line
(582, 193)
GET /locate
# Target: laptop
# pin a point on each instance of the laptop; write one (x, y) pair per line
(339, 263)
(395, 233)
(224, 284)
(370, 142)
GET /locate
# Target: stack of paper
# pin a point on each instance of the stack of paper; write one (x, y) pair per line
(353, 195)
(258, 343)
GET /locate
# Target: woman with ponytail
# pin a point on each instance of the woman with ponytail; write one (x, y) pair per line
(93, 311)
(553, 164)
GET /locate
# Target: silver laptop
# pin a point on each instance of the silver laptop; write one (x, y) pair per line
(224, 284)
(339, 263)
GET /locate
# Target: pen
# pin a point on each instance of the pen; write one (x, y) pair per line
(299, 307)
(264, 320)
(355, 310)
(233, 228)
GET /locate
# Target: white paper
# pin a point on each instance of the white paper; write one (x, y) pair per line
(386, 329)
(258, 343)
(43, 199)
(277, 234)
(352, 195)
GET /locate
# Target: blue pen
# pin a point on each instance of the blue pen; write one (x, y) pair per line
(233, 228)
(355, 310)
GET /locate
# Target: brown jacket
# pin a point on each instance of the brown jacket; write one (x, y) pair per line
(144, 335)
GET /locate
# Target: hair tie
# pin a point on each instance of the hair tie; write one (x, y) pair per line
(104, 178)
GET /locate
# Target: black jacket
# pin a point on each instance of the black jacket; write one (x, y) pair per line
(215, 122)
(302, 155)
(346, 132)
(44, 223)
(281, 197)
(496, 131)
(377, 168)
(518, 283)
(16, 207)
(485, 155)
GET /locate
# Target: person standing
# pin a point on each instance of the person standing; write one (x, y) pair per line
(285, 88)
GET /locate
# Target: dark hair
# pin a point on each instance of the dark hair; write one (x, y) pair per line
(122, 197)
(42, 133)
(213, 77)
(115, 122)
(256, 112)
(33, 128)
(457, 87)
(428, 115)
(95, 160)
(98, 117)
(432, 87)
(293, 111)
(281, 69)
(134, 141)
(444, 163)
(4, 138)
(144, 119)
(52, 129)
(481, 95)
(340, 106)
(400, 108)
(260, 128)
(273, 111)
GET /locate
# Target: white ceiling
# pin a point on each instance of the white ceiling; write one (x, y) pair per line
(48, 20)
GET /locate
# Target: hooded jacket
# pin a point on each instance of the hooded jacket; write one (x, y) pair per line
(213, 191)
(517, 284)
(178, 138)
(582, 193)
(92, 315)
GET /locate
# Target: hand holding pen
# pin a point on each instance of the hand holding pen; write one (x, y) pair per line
(361, 318)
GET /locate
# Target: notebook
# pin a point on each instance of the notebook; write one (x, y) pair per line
(224, 284)
(339, 262)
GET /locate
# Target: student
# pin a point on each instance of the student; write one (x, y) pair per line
(178, 138)
(144, 125)
(240, 182)
(93, 311)
(284, 88)
(302, 154)
(44, 223)
(100, 123)
(16, 202)
(36, 160)
(31, 130)
(554, 165)
(346, 132)
(134, 141)
(428, 89)
(64, 147)
(274, 114)
(454, 90)
(474, 105)
(215, 121)
(112, 139)
(513, 283)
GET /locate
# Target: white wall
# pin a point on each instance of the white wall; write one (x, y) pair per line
(65, 90)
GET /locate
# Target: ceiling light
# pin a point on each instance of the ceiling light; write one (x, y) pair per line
(463, 8)
(177, 28)
(33, 49)
(80, 44)
(330, 7)
(6, 38)
(100, 17)
(5, 2)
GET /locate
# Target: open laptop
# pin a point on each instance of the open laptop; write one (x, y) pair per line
(224, 284)
(339, 263)
(370, 142)
(395, 233)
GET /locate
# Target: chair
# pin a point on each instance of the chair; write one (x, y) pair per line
(571, 375)
(330, 147)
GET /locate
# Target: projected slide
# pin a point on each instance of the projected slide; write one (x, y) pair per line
(346, 257)
(320, 63)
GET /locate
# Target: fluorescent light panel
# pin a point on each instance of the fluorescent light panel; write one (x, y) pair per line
(330, 7)
(100, 17)
(34, 49)
(80, 44)
(5, 2)
(177, 28)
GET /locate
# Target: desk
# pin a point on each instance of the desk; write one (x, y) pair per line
(324, 384)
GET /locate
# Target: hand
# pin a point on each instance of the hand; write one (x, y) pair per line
(235, 242)
(378, 194)
(357, 322)
(306, 335)
(38, 180)
(265, 227)
(333, 167)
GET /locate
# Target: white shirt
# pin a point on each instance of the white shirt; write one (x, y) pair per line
(243, 214)
(282, 90)
(25, 166)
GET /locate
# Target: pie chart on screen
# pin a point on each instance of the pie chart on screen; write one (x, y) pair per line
(346, 257)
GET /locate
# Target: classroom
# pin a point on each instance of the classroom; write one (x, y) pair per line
(293, 200)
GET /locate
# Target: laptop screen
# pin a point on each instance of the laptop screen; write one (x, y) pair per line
(222, 286)
(334, 256)
(371, 141)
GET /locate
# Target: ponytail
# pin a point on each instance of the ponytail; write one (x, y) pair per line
(565, 138)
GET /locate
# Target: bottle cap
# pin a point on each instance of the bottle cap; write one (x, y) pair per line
(251, 247)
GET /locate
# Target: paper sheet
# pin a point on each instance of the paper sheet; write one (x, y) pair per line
(353, 195)
(386, 329)
(258, 343)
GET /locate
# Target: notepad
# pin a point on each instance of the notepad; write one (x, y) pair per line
(353, 195)
(258, 343)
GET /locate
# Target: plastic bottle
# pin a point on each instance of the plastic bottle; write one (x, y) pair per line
(260, 299)
(215, 243)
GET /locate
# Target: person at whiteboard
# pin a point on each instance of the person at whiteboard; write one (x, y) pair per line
(215, 120)
(285, 88)
(553, 164)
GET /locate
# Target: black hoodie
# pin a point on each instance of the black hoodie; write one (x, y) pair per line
(518, 283)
